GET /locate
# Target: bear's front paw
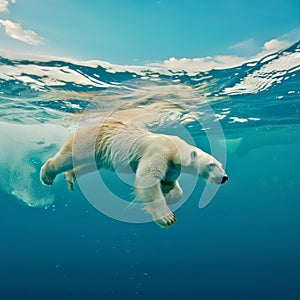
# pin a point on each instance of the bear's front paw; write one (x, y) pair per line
(166, 221)
(161, 213)
(46, 175)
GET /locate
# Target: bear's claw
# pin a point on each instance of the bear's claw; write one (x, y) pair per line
(166, 221)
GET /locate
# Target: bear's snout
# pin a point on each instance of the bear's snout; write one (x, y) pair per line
(224, 179)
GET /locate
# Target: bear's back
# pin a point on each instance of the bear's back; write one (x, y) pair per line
(117, 143)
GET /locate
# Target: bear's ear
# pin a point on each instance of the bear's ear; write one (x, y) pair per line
(193, 154)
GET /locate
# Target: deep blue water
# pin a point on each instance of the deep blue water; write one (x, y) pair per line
(244, 244)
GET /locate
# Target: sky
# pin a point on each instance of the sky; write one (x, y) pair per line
(149, 32)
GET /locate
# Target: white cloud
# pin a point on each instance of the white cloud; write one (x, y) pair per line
(4, 5)
(194, 65)
(15, 31)
(276, 45)
(273, 46)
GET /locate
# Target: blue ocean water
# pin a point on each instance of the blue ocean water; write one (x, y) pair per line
(244, 244)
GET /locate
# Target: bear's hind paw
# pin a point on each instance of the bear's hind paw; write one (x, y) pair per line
(46, 176)
(70, 176)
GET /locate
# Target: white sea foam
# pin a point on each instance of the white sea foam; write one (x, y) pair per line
(269, 74)
(47, 76)
(23, 149)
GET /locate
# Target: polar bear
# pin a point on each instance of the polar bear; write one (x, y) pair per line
(156, 159)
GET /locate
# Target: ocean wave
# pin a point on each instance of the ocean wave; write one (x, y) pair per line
(237, 77)
(269, 72)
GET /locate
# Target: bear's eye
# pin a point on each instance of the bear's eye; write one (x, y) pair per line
(193, 154)
(212, 165)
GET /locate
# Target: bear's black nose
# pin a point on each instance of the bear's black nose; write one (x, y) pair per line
(224, 179)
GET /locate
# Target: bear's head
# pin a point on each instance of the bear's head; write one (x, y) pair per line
(208, 167)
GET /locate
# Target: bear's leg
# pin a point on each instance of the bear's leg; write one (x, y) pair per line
(174, 194)
(54, 166)
(71, 175)
(61, 162)
(150, 171)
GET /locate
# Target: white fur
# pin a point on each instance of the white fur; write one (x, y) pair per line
(157, 160)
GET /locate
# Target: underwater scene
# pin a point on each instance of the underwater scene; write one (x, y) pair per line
(237, 240)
